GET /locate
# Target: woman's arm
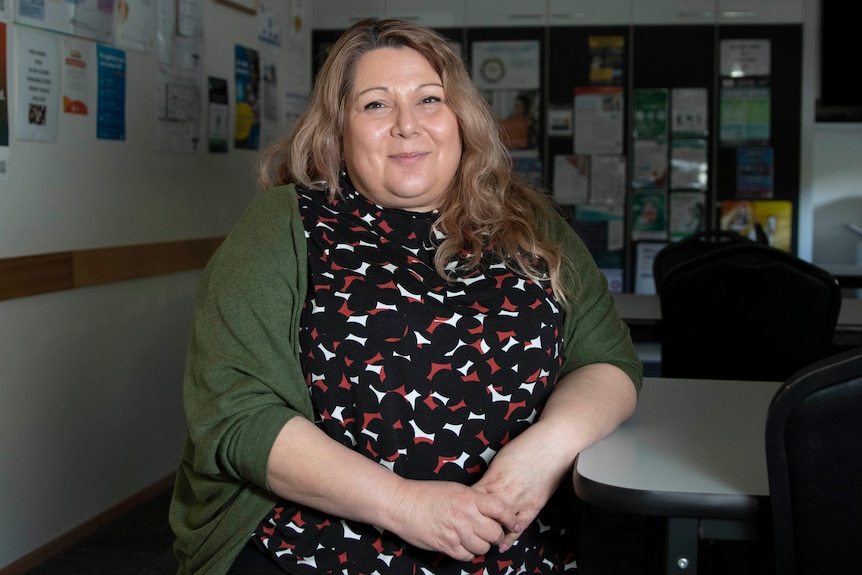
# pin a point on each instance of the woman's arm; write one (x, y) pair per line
(586, 405)
(308, 467)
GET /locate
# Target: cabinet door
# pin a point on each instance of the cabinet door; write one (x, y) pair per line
(436, 14)
(340, 15)
(486, 13)
(674, 12)
(589, 12)
(760, 11)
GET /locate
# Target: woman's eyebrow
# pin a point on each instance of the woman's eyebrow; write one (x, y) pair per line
(385, 89)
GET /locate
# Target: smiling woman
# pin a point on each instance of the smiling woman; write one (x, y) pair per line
(401, 141)
(400, 349)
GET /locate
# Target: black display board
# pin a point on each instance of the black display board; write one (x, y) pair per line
(660, 57)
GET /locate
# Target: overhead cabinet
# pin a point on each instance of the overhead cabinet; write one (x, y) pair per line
(507, 13)
(589, 12)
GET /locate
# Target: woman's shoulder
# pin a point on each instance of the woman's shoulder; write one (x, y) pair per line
(271, 223)
(280, 198)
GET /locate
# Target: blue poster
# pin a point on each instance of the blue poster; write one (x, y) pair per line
(111, 116)
(247, 124)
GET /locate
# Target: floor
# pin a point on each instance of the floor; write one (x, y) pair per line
(139, 543)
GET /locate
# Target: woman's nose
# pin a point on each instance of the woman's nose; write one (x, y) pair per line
(406, 123)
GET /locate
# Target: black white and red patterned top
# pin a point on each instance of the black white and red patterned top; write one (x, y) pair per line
(427, 377)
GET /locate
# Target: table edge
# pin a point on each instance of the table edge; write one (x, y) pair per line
(668, 503)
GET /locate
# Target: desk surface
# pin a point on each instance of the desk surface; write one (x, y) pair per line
(647, 308)
(693, 448)
(848, 275)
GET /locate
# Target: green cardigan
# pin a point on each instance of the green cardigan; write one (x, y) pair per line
(243, 379)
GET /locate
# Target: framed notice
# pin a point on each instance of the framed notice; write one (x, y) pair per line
(249, 6)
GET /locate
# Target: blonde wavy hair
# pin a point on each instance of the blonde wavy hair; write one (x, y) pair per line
(487, 207)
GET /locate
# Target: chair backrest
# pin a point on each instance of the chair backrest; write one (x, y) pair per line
(746, 311)
(814, 464)
(690, 247)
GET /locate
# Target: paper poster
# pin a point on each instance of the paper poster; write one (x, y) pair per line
(38, 104)
(294, 104)
(599, 115)
(571, 179)
(649, 214)
(615, 278)
(111, 115)
(518, 114)
(745, 113)
(773, 217)
(507, 74)
(650, 164)
(298, 38)
(218, 112)
(689, 164)
(745, 57)
(91, 19)
(510, 65)
(608, 178)
(689, 112)
(179, 34)
(269, 22)
(650, 108)
(271, 126)
(179, 44)
(644, 257)
(247, 123)
(76, 64)
(135, 25)
(607, 58)
(754, 173)
(687, 213)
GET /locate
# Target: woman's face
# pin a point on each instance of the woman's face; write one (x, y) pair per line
(402, 145)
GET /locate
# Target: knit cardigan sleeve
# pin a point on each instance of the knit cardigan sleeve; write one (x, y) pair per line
(243, 381)
(593, 331)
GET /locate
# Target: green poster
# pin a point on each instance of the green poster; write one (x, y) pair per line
(650, 114)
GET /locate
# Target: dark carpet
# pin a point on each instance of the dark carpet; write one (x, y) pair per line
(137, 543)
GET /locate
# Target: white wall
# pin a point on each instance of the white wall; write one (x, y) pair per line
(90, 379)
(831, 170)
(836, 192)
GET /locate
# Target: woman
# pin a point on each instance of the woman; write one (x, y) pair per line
(399, 350)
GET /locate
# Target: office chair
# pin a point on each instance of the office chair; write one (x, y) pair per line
(814, 466)
(745, 311)
(690, 247)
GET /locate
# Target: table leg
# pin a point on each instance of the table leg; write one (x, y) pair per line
(681, 540)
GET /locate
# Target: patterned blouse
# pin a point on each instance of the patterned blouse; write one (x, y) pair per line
(428, 378)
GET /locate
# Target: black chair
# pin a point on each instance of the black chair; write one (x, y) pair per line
(814, 465)
(746, 311)
(690, 247)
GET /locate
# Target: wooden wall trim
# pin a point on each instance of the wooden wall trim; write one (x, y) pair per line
(33, 275)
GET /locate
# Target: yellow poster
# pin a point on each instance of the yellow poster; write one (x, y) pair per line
(770, 220)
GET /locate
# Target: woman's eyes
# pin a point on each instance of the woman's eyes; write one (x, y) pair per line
(378, 105)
